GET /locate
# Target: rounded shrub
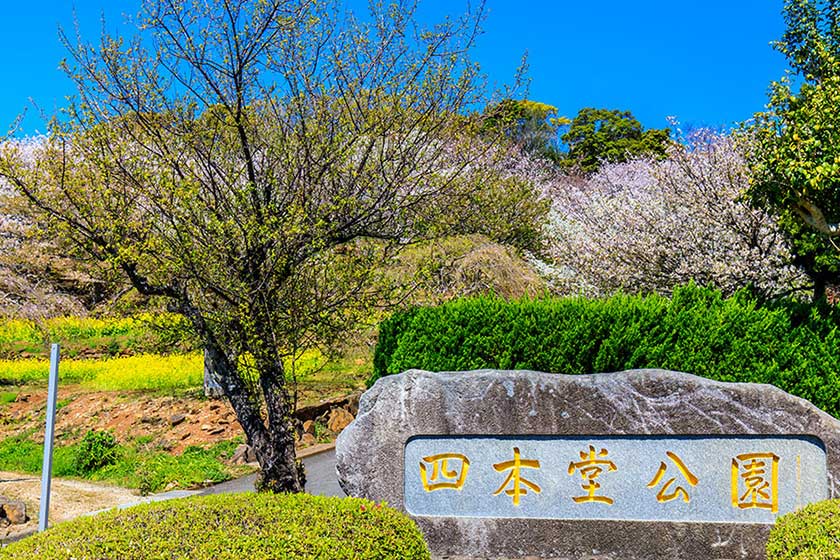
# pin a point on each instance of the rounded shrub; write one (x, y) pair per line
(233, 526)
(812, 533)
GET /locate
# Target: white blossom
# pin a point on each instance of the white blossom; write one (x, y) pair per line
(649, 225)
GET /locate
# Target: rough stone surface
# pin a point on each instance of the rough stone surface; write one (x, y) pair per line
(14, 511)
(649, 402)
(322, 410)
(339, 419)
(243, 454)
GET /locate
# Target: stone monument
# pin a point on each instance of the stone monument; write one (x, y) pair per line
(643, 464)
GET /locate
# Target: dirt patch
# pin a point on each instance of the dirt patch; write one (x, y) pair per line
(169, 423)
(173, 423)
(68, 499)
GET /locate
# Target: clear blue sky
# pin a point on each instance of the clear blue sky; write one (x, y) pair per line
(707, 62)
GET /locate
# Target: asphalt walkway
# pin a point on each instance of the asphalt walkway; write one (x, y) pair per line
(321, 479)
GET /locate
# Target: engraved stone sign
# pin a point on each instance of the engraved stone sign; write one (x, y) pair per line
(630, 465)
(636, 478)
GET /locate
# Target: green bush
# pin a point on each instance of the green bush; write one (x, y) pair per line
(812, 533)
(96, 450)
(788, 344)
(228, 526)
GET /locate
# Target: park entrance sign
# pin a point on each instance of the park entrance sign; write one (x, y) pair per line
(639, 464)
(746, 480)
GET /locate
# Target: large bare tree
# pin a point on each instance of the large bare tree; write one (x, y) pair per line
(255, 161)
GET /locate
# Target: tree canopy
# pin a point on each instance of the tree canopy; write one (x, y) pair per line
(811, 40)
(531, 125)
(258, 164)
(598, 135)
(593, 137)
(796, 163)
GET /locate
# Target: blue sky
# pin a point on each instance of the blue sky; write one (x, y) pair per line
(707, 62)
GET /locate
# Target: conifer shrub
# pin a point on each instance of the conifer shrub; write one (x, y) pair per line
(233, 527)
(813, 533)
(791, 345)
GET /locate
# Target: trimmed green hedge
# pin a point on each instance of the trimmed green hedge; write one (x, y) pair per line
(233, 527)
(788, 344)
(812, 533)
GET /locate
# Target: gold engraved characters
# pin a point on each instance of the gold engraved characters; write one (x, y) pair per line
(666, 494)
(753, 477)
(752, 485)
(591, 467)
(518, 484)
(442, 475)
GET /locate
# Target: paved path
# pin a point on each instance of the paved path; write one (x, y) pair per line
(321, 479)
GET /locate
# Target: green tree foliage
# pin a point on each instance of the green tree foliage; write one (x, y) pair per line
(531, 125)
(597, 135)
(812, 37)
(259, 165)
(796, 163)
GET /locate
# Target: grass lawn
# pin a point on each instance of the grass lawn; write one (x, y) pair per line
(134, 466)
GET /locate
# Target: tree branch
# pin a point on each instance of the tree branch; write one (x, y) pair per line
(813, 216)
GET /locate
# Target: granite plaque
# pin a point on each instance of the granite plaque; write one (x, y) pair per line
(635, 478)
(635, 465)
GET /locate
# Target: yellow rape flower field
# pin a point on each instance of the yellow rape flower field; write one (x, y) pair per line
(145, 371)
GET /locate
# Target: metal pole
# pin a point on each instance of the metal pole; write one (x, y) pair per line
(46, 471)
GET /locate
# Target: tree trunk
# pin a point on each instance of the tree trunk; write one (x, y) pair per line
(279, 470)
(820, 285)
(212, 389)
(807, 262)
(272, 438)
(273, 443)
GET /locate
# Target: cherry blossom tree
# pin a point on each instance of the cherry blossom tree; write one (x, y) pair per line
(648, 225)
(256, 162)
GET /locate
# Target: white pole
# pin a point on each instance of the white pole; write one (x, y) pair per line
(46, 471)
